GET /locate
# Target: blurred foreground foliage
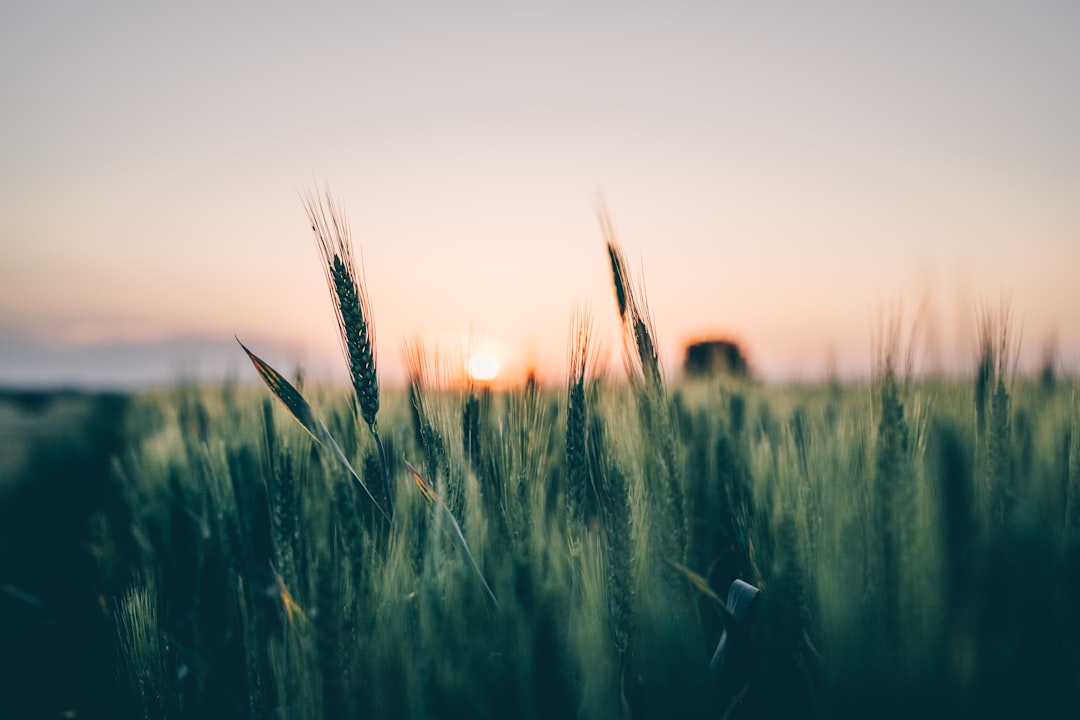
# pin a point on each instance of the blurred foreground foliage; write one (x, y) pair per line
(195, 554)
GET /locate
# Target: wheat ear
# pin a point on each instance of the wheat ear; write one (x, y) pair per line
(352, 309)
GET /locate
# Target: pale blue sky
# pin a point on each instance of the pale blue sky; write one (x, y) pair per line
(779, 170)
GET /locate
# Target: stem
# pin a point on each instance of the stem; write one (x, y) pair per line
(385, 474)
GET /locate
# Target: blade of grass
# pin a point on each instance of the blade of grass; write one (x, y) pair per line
(433, 498)
(305, 415)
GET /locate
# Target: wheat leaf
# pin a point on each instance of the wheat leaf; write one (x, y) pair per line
(300, 409)
(432, 497)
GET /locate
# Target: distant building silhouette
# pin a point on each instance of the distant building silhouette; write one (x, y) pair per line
(713, 357)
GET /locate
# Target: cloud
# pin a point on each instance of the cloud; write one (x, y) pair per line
(120, 364)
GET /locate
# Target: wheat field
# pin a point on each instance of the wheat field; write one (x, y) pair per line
(624, 546)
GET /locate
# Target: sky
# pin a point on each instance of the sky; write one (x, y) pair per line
(780, 173)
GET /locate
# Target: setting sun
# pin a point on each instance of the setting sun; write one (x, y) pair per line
(483, 367)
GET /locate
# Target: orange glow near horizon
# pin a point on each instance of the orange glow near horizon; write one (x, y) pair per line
(483, 367)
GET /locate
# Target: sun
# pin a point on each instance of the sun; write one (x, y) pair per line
(483, 367)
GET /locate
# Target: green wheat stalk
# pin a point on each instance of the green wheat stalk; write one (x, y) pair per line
(643, 368)
(144, 650)
(352, 309)
(643, 362)
(577, 466)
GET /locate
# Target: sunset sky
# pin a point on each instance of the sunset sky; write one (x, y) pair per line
(780, 172)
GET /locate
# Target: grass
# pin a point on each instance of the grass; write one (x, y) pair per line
(439, 552)
(276, 587)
